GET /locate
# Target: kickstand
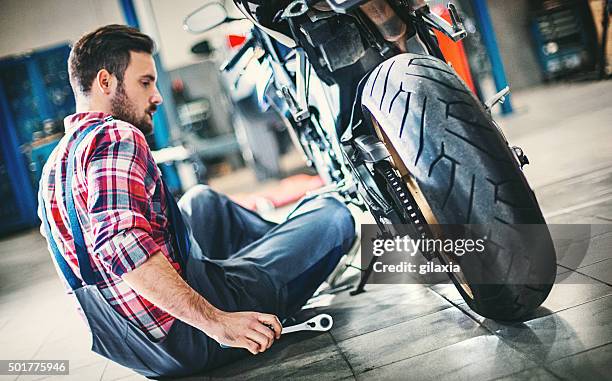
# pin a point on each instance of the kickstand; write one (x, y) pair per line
(364, 277)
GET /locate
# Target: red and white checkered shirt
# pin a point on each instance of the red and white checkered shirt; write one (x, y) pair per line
(119, 198)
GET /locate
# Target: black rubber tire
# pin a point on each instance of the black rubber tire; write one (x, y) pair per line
(468, 175)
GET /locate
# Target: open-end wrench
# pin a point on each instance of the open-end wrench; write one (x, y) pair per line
(321, 322)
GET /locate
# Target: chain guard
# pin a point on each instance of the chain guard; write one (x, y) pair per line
(405, 204)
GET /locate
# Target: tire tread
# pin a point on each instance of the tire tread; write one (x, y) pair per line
(446, 136)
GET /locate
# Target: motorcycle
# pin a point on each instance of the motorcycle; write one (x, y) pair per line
(371, 103)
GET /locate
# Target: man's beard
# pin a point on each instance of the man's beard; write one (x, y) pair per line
(123, 109)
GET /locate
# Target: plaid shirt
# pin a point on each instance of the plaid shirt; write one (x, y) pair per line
(119, 198)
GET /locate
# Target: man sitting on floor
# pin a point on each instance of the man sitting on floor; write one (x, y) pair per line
(161, 287)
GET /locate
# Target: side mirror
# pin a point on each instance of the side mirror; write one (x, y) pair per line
(205, 18)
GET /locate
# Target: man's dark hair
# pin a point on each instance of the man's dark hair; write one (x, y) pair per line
(107, 48)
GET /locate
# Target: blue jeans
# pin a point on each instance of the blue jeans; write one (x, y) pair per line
(256, 265)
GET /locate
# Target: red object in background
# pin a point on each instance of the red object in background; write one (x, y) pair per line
(235, 40)
(288, 190)
(454, 51)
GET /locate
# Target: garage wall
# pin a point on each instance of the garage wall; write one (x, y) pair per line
(174, 42)
(33, 24)
(511, 23)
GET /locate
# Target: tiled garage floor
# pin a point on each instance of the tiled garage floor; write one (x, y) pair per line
(407, 332)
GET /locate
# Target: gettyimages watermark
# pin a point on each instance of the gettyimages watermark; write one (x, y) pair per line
(413, 246)
(484, 254)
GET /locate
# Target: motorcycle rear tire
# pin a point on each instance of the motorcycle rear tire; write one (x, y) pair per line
(441, 135)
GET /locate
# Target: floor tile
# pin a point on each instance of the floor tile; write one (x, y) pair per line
(379, 293)
(114, 371)
(574, 218)
(565, 333)
(595, 364)
(89, 372)
(576, 190)
(135, 377)
(478, 358)
(574, 289)
(449, 292)
(583, 252)
(562, 270)
(76, 351)
(414, 337)
(602, 211)
(352, 320)
(534, 374)
(571, 290)
(600, 270)
(302, 357)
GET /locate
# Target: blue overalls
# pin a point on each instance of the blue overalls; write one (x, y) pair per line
(229, 255)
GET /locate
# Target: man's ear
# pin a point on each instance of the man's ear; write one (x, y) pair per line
(105, 81)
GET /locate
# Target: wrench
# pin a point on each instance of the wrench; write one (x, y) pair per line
(321, 322)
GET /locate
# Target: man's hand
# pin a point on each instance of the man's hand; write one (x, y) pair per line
(158, 282)
(253, 331)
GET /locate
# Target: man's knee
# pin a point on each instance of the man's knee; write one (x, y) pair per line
(198, 197)
(333, 212)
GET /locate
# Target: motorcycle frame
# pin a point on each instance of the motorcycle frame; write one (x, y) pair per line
(349, 138)
(290, 94)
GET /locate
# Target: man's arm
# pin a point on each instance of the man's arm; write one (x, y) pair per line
(158, 282)
(120, 175)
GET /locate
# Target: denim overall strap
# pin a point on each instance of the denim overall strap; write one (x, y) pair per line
(178, 229)
(177, 225)
(74, 282)
(72, 279)
(87, 272)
